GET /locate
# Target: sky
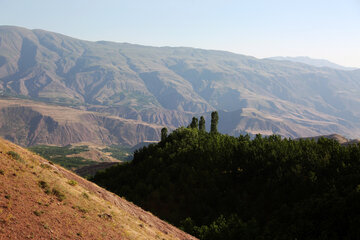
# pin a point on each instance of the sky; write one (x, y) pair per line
(325, 29)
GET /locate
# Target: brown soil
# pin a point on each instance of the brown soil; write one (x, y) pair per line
(58, 208)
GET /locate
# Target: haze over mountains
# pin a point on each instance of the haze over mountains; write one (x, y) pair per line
(166, 86)
(313, 62)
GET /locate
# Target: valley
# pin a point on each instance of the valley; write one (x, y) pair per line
(179, 120)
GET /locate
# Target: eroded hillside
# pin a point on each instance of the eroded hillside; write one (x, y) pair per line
(31, 123)
(167, 85)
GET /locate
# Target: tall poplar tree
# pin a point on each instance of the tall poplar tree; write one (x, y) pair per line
(214, 122)
(194, 123)
(202, 124)
(163, 134)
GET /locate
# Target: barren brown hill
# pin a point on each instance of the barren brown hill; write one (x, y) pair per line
(30, 123)
(39, 200)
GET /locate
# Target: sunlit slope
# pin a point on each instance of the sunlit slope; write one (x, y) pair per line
(32, 123)
(39, 200)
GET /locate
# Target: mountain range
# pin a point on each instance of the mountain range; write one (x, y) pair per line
(313, 62)
(110, 84)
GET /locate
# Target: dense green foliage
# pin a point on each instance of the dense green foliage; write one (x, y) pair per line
(59, 155)
(220, 187)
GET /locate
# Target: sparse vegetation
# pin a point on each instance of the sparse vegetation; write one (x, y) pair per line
(45, 226)
(44, 186)
(72, 182)
(1, 172)
(80, 209)
(46, 166)
(105, 216)
(25, 209)
(55, 191)
(58, 194)
(38, 213)
(85, 195)
(15, 156)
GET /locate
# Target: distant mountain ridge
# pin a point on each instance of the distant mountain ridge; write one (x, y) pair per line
(341, 139)
(166, 86)
(313, 62)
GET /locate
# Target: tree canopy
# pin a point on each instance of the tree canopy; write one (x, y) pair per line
(216, 186)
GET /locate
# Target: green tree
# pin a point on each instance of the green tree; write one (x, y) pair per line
(202, 124)
(214, 122)
(163, 133)
(194, 123)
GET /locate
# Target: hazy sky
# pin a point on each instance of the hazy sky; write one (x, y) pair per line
(262, 28)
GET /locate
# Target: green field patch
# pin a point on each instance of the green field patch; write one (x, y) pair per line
(119, 152)
(61, 155)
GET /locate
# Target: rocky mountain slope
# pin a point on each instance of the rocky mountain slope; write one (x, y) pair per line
(40, 200)
(28, 123)
(167, 85)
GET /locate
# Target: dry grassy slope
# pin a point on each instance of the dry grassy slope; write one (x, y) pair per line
(87, 212)
(31, 123)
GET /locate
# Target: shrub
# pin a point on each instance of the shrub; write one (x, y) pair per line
(72, 182)
(44, 186)
(59, 195)
(38, 213)
(80, 209)
(85, 195)
(46, 166)
(105, 216)
(15, 156)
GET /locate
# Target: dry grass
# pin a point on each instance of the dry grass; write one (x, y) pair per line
(37, 202)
